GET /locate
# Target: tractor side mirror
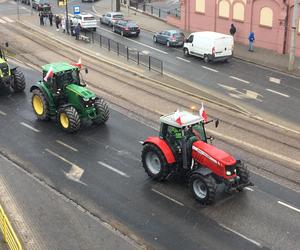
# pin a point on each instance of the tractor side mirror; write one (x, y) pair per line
(217, 123)
(86, 70)
(6, 45)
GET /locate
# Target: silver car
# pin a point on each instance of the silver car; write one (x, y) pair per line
(111, 17)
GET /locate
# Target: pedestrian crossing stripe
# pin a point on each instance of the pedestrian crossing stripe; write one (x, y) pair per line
(7, 19)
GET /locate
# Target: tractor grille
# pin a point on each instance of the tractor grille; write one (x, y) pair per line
(231, 169)
(89, 103)
(4, 68)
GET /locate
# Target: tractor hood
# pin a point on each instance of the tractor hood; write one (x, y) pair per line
(81, 91)
(213, 154)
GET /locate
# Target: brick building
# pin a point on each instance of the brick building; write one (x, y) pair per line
(270, 20)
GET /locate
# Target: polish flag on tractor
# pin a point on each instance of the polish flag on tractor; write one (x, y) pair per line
(78, 64)
(177, 117)
(49, 74)
(203, 113)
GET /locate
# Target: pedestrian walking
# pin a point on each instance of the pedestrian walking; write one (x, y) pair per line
(77, 31)
(251, 39)
(45, 17)
(63, 24)
(50, 18)
(72, 27)
(41, 18)
(57, 22)
(232, 30)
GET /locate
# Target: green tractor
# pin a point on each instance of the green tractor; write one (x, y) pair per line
(10, 77)
(65, 98)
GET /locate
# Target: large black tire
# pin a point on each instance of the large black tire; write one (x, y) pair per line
(186, 52)
(19, 82)
(102, 111)
(243, 173)
(203, 188)
(68, 119)
(154, 162)
(40, 105)
(206, 59)
(155, 39)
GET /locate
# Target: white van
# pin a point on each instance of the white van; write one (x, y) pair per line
(211, 46)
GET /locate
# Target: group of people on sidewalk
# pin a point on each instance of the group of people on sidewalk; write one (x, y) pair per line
(251, 37)
(44, 17)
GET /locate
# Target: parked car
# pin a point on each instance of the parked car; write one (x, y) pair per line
(211, 46)
(41, 5)
(87, 21)
(126, 28)
(170, 38)
(111, 17)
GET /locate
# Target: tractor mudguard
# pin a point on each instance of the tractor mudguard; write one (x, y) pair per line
(45, 92)
(163, 146)
(202, 171)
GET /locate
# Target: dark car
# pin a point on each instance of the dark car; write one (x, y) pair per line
(126, 28)
(41, 5)
(170, 38)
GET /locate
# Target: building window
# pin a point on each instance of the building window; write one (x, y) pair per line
(224, 8)
(238, 11)
(200, 6)
(266, 17)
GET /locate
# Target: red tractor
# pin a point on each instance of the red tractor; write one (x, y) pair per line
(182, 148)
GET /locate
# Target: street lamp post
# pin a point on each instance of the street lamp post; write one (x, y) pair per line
(67, 18)
(293, 36)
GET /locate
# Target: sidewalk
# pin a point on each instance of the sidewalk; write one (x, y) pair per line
(261, 56)
(45, 219)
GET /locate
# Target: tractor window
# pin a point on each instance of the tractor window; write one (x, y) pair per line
(198, 130)
(173, 131)
(68, 77)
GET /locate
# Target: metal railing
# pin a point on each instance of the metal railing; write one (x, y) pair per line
(9, 235)
(130, 54)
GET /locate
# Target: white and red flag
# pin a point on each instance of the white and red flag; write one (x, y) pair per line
(177, 117)
(78, 64)
(203, 113)
(49, 74)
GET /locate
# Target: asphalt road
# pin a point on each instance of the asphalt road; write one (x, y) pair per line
(111, 180)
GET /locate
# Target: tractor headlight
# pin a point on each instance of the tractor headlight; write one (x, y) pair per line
(86, 99)
(228, 173)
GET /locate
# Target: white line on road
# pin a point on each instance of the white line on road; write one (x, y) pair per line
(180, 58)
(145, 45)
(30, 127)
(59, 157)
(289, 206)
(275, 80)
(66, 145)
(239, 79)
(113, 169)
(2, 113)
(7, 19)
(278, 93)
(210, 69)
(250, 189)
(12, 2)
(241, 235)
(169, 198)
(141, 142)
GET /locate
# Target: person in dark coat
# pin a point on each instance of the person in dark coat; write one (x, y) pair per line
(41, 15)
(57, 22)
(77, 31)
(50, 18)
(232, 29)
(251, 39)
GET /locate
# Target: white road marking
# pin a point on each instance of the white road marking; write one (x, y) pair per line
(180, 58)
(113, 169)
(2, 113)
(141, 142)
(275, 80)
(250, 189)
(30, 127)
(239, 79)
(12, 2)
(289, 206)
(7, 19)
(241, 235)
(2, 21)
(66, 145)
(210, 69)
(75, 174)
(145, 45)
(169, 198)
(238, 94)
(278, 93)
(59, 157)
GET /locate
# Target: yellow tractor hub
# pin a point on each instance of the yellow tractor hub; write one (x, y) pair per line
(38, 105)
(64, 120)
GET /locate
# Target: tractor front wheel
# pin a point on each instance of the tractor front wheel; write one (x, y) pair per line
(154, 162)
(68, 119)
(243, 173)
(40, 105)
(102, 111)
(19, 82)
(203, 188)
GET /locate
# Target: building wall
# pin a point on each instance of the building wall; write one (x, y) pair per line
(266, 18)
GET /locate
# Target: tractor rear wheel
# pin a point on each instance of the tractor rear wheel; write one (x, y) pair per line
(40, 105)
(203, 188)
(68, 119)
(243, 173)
(154, 162)
(19, 81)
(102, 111)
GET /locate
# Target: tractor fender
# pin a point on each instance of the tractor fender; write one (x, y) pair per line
(45, 92)
(202, 171)
(163, 146)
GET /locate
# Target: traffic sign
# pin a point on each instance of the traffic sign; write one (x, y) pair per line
(62, 2)
(76, 10)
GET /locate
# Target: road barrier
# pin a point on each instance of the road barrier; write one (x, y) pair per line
(130, 54)
(9, 235)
